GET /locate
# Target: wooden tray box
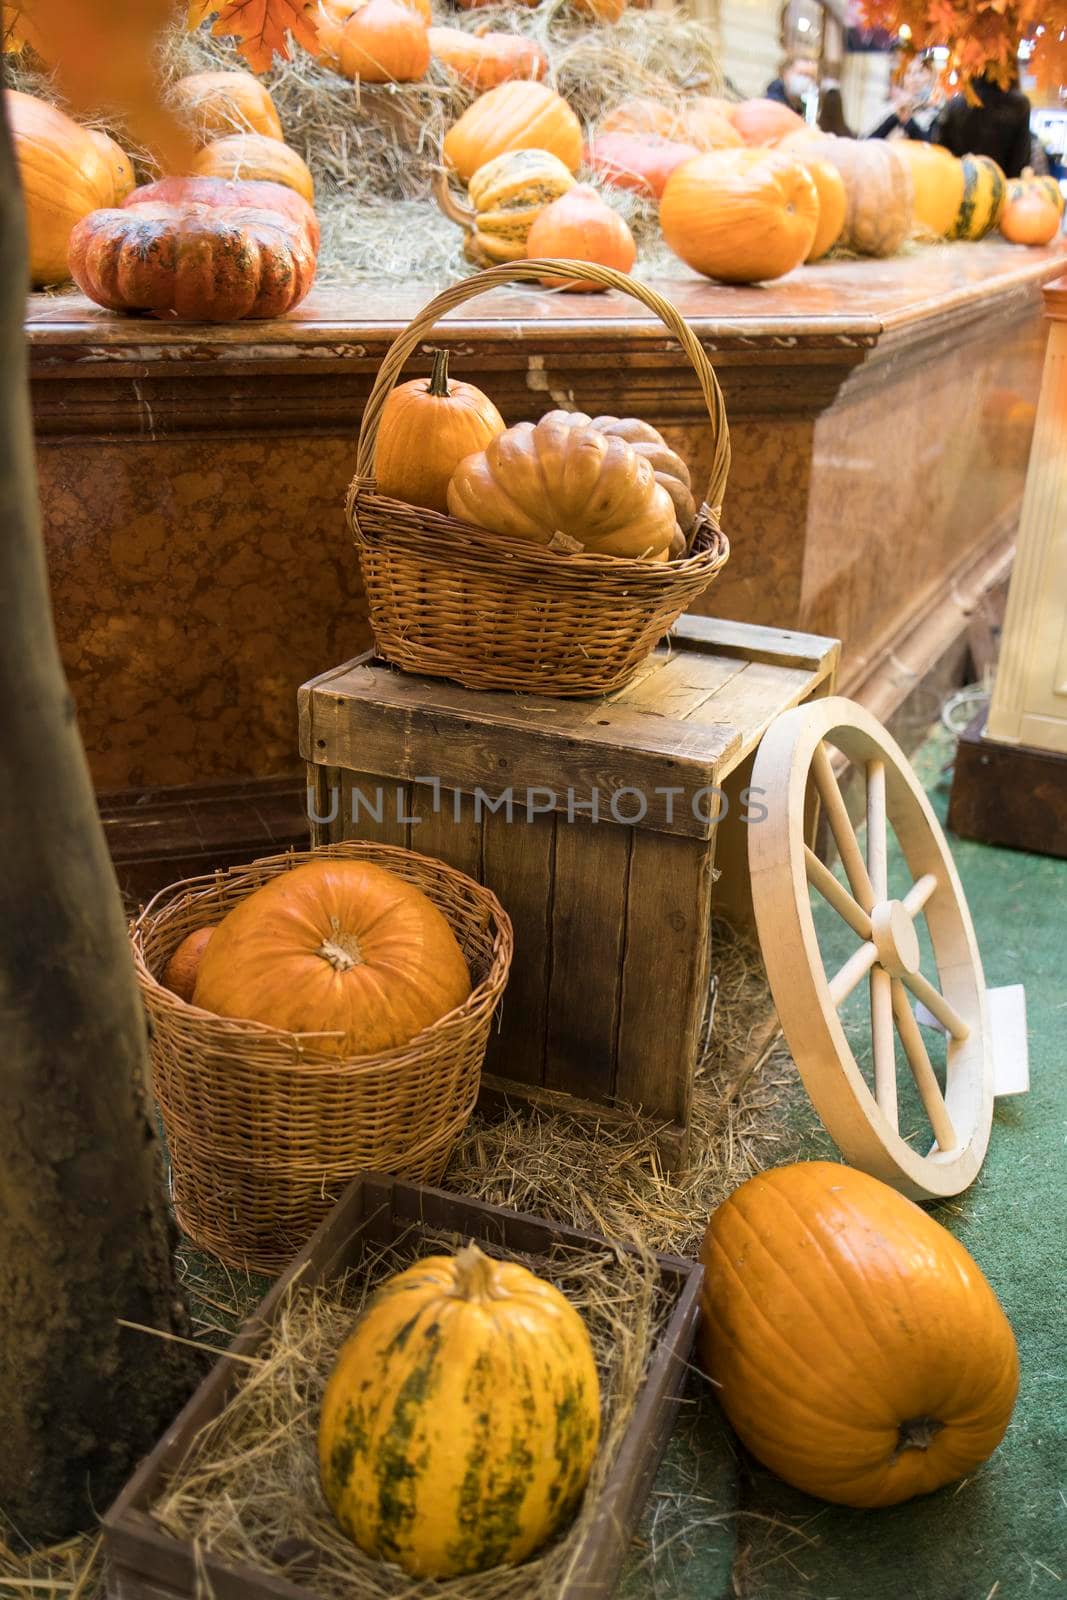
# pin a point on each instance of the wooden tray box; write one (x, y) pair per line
(612, 915)
(146, 1564)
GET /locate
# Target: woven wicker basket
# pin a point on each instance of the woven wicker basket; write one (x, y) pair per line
(263, 1130)
(491, 612)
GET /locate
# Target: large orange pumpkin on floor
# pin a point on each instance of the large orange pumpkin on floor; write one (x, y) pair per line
(251, 155)
(219, 103)
(765, 121)
(335, 947)
(580, 226)
(854, 1344)
(65, 174)
(571, 488)
(740, 215)
(427, 427)
(513, 116)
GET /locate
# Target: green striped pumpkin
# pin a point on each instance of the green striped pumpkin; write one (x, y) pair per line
(984, 191)
(461, 1421)
(508, 195)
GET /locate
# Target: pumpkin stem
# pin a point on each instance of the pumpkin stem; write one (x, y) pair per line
(341, 950)
(917, 1434)
(474, 1274)
(439, 376)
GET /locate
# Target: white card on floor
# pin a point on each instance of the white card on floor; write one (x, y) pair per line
(1006, 1009)
(1007, 1025)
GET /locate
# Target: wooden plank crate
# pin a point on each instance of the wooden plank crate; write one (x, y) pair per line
(145, 1563)
(596, 822)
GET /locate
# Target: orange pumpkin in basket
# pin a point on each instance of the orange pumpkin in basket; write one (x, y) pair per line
(335, 947)
(179, 975)
(740, 215)
(570, 488)
(427, 427)
(580, 226)
(514, 116)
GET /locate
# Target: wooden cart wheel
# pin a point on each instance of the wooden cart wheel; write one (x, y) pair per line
(792, 769)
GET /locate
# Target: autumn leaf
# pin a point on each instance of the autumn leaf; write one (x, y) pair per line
(259, 26)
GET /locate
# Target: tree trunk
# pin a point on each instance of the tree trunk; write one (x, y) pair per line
(85, 1238)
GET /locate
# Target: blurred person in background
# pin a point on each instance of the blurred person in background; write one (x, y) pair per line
(999, 126)
(796, 79)
(913, 105)
(831, 118)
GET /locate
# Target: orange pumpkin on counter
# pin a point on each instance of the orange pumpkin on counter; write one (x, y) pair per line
(123, 181)
(252, 156)
(742, 216)
(580, 226)
(335, 947)
(765, 121)
(65, 173)
(833, 201)
(514, 116)
(485, 59)
(219, 103)
(1033, 210)
(881, 1365)
(639, 161)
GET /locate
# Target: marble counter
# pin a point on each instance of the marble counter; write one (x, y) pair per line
(192, 477)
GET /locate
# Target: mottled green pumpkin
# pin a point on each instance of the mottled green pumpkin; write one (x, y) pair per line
(462, 1418)
(507, 195)
(984, 192)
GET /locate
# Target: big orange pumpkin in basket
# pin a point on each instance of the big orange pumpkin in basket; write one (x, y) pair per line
(513, 116)
(569, 488)
(335, 947)
(854, 1344)
(427, 427)
(741, 215)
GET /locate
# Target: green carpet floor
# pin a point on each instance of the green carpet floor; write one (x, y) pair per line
(718, 1526)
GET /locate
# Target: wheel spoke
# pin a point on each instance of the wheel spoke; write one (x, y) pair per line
(883, 1042)
(841, 828)
(877, 831)
(853, 972)
(925, 1081)
(920, 892)
(936, 1004)
(835, 894)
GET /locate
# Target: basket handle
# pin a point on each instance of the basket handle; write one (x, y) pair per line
(496, 277)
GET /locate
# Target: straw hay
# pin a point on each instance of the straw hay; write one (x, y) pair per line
(372, 149)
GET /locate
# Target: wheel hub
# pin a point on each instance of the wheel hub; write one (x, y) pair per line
(895, 938)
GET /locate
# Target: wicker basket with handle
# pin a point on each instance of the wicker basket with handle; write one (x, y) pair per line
(264, 1130)
(495, 612)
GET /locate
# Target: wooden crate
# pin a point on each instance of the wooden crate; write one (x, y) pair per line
(612, 915)
(144, 1563)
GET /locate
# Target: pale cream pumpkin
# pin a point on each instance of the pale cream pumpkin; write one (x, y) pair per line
(570, 488)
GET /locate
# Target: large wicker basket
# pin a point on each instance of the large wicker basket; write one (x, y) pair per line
(264, 1130)
(453, 601)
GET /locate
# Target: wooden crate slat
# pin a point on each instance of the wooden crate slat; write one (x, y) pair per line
(684, 683)
(365, 795)
(752, 698)
(449, 830)
(665, 973)
(588, 931)
(754, 643)
(519, 859)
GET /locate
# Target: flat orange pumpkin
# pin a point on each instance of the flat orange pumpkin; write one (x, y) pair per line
(854, 1344)
(335, 947)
